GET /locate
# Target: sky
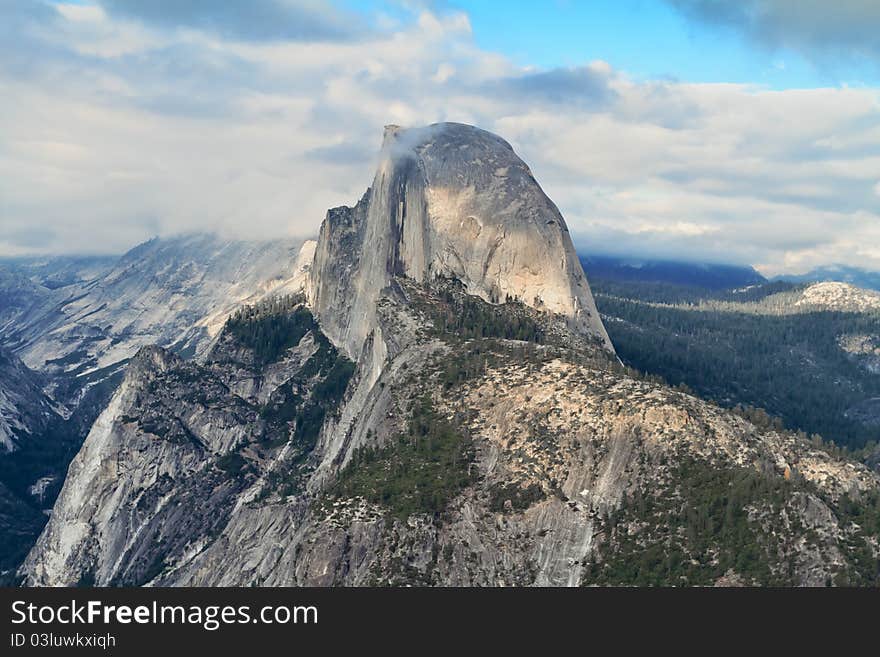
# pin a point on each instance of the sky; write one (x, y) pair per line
(742, 132)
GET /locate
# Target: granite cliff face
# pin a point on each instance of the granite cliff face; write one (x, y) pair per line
(450, 201)
(181, 446)
(442, 407)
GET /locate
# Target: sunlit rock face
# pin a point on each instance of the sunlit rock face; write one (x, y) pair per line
(448, 200)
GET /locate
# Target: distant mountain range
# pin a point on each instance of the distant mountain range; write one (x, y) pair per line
(85, 317)
(704, 275)
(841, 273)
(712, 276)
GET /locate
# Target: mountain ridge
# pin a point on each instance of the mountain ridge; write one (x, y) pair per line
(840, 273)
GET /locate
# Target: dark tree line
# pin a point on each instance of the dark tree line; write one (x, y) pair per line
(271, 327)
(469, 317)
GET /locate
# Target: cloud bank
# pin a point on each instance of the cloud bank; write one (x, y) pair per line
(121, 121)
(843, 28)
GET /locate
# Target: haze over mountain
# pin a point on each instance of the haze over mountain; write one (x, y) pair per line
(702, 275)
(857, 276)
(441, 406)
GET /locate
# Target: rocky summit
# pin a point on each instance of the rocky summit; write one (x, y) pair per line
(448, 201)
(441, 405)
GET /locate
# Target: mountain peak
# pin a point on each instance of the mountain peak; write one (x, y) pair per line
(444, 135)
(391, 131)
(454, 201)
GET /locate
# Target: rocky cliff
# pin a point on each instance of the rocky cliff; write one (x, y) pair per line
(181, 445)
(78, 321)
(451, 201)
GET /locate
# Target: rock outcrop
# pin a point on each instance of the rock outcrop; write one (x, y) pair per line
(450, 201)
(842, 297)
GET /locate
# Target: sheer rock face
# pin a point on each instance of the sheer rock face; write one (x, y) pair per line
(448, 200)
(118, 488)
(148, 486)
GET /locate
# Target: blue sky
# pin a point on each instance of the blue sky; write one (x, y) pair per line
(744, 132)
(646, 38)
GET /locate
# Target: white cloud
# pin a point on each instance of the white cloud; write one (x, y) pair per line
(113, 130)
(88, 31)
